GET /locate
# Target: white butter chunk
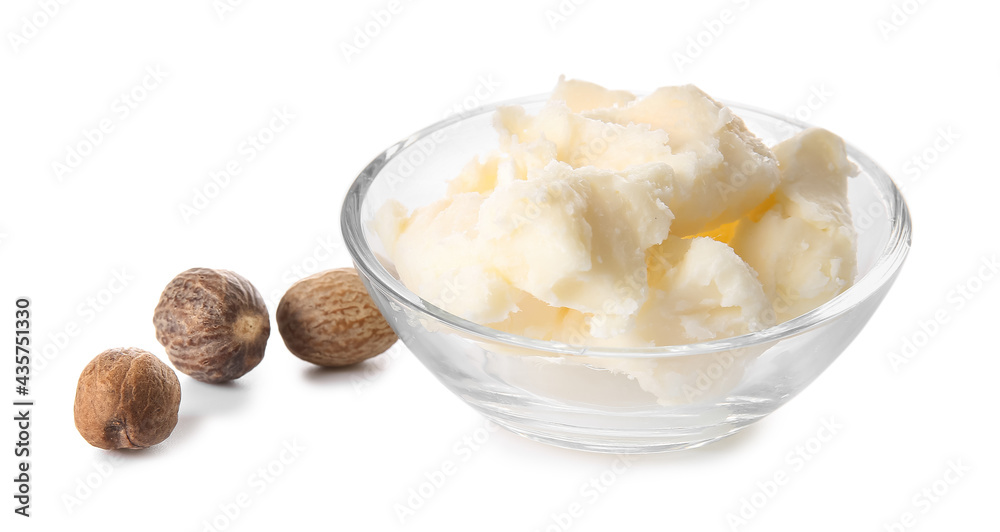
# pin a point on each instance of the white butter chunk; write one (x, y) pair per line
(441, 265)
(721, 169)
(569, 236)
(606, 220)
(804, 247)
(582, 96)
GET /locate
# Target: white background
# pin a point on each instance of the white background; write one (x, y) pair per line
(372, 433)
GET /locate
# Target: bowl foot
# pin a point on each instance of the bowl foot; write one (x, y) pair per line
(616, 442)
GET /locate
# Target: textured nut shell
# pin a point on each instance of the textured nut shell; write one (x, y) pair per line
(330, 320)
(126, 398)
(213, 324)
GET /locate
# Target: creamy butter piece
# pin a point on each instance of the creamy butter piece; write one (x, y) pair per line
(804, 247)
(698, 290)
(614, 221)
(582, 96)
(441, 263)
(568, 236)
(722, 169)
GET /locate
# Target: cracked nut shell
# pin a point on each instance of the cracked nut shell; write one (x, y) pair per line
(330, 320)
(126, 398)
(213, 324)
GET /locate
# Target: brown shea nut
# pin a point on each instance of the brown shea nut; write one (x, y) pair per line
(330, 320)
(126, 399)
(213, 324)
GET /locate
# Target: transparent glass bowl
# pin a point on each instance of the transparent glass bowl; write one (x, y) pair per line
(563, 394)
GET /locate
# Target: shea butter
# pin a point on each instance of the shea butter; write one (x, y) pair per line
(612, 220)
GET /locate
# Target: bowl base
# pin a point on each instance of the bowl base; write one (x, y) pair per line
(618, 442)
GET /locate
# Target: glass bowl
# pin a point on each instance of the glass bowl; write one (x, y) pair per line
(565, 395)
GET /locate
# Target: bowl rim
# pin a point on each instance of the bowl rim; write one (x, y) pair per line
(883, 272)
